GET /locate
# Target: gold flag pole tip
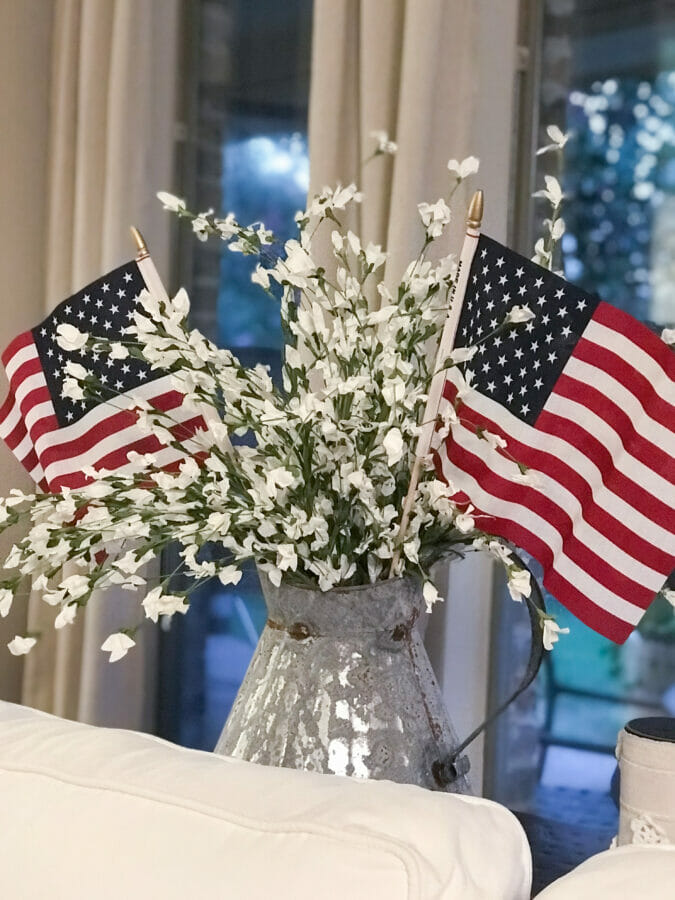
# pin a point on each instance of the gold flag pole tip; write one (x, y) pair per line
(474, 217)
(139, 241)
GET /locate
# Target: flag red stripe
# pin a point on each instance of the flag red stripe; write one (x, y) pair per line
(7, 407)
(116, 421)
(599, 455)
(603, 572)
(16, 435)
(30, 367)
(602, 406)
(596, 516)
(19, 342)
(631, 379)
(638, 334)
(575, 600)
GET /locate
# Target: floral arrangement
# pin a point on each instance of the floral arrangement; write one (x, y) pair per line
(316, 497)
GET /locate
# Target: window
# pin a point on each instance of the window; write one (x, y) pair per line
(606, 74)
(246, 94)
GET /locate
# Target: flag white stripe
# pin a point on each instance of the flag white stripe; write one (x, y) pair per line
(634, 355)
(612, 389)
(635, 470)
(553, 492)
(516, 512)
(585, 468)
(24, 355)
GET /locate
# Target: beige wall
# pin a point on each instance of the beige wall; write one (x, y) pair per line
(25, 54)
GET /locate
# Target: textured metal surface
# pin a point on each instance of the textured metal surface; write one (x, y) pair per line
(341, 683)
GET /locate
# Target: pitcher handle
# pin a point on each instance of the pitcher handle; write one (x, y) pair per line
(453, 766)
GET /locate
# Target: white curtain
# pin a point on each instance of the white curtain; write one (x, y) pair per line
(438, 76)
(109, 149)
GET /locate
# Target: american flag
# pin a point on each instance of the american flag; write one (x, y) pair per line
(584, 396)
(55, 437)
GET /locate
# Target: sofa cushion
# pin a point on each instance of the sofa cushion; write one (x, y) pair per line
(90, 812)
(625, 873)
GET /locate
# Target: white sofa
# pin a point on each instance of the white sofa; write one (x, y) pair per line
(626, 873)
(96, 813)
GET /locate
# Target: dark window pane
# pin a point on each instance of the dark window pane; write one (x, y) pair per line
(250, 73)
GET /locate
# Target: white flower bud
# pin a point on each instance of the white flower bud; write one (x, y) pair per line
(518, 314)
(19, 646)
(118, 645)
(70, 338)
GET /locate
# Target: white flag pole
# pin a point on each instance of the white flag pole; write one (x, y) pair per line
(473, 223)
(156, 287)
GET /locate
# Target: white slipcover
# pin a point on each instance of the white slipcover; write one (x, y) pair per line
(626, 873)
(95, 813)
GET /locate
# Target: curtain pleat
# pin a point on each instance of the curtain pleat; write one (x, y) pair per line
(110, 150)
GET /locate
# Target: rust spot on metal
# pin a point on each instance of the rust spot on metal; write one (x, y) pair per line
(299, 631)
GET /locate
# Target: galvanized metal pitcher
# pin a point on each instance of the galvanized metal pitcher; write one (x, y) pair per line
(341, 683)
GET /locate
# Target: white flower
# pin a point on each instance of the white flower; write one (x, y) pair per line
(118, 351)
(668, 335)
(129, 564)
(118, 645)
(70, 338)
(411, 548)
(76, 370)
(430, 595)
(557, 229)
(435, 216)
(279, 478)
(462, 354)
(201, 225)
(669, 595)
(465, 522)
(293, 358)
(374, 256)
(261, 277)
(19, 646)
(354, 243)
(518, 314)
(66, 616)
(497, 549)
(552, 631)
(287, 558)
(384, 145)
(463, 169)
(494, 440)
(557, 137)
(72, 389)
(157, 604)
(75, 586)
(553, 192)
(170, 201)
(229, 575)
(6, 598)
(393, 446)
(519, 584)
(180, 303)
